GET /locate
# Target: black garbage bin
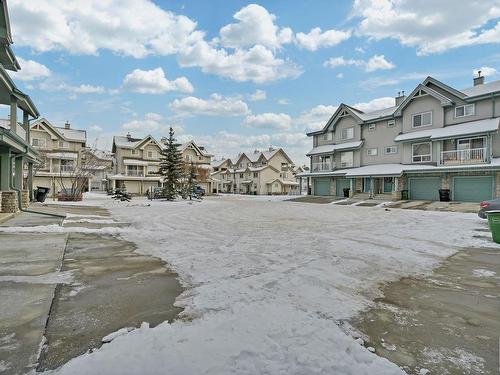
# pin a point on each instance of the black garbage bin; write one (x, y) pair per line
(346, 192)
(404, 195)
(444, 195)
(41, 193)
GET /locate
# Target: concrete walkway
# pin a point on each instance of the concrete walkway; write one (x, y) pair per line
(62, 293)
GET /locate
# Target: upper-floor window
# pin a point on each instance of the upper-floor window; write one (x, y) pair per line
(255, 174)
(242, 175)
(465, 110)
(38, 142)
(347, 133)
(346, 159)
(391, 150)
(151, 154)
(133, 152)
(372, 127)
(391, 123)
(284, 166)
(328, 136)
(63, 144)
(421, 119)
(372, 151)
(421, 152)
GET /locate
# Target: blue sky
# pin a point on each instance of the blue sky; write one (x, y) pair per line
(235, 75)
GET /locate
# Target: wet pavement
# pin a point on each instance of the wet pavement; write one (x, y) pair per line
(62, 293)
(446, 323)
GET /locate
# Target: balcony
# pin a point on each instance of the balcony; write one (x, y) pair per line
(323, 166)
(135, 173)
(467, 156)
(67, 168)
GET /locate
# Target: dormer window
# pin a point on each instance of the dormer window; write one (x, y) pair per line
(465, 110)
(421, 119)
(371, 127)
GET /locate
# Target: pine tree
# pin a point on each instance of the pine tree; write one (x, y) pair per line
(170, 167)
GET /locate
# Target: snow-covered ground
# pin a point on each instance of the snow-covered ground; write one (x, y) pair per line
(269, 282)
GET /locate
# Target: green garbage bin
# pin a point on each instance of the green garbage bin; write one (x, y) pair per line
(494, 223)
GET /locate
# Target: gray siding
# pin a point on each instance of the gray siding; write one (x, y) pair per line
(423, 104)
(379, 138)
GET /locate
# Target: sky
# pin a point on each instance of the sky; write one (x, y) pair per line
(238, 76)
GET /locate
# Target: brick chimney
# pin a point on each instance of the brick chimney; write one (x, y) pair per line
(67, 125)
(479, 80)
(400, 97)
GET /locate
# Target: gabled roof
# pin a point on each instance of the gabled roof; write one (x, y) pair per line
(131, 142)
(198, 149)
(330, 149)
(484, 89)
(75, 135)
(343, 108)
(451, 90)
(444, 100)
(149, 139)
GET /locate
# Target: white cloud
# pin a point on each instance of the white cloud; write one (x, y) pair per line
(86, 89)
(31, 70)
(57, 85)
(255, 26)
(376, 62)
(269, 121)
(155, 82)
(217, 105)
(95, 128)
(316, 39)
(316, 117)
(140, 28)
(258, 95)
(485, 71)
(151, 123)
(430, 26)
(394, 80)
(340, 75)
(283, 101)
(376, 104)
(359, 49)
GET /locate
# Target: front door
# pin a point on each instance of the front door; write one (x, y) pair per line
(367, 184)
(388, 184)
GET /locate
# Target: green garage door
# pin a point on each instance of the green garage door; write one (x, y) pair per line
(425, 188)
(342, 183)
(472, 189)
(322, 186)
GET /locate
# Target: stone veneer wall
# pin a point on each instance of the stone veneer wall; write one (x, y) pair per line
(25, 195)
(9, 202)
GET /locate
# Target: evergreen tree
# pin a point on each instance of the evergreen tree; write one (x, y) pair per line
(170, 167)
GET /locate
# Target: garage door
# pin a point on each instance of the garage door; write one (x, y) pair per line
(342, 183)
(425, 188)
(472, 189)
(322, 186)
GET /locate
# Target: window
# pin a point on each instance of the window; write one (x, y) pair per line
(152, 169)
(391, 123)
(284, 166)
(255, 174)
(242, 175)
(67, 165)
(135, 170)
(391, 150)
(421, 152)
(371, 127)
(133, 152)
(63, 144)
(371, 151)
(421, 119)
(347, 133)
(37, 142)
(151, 154)
(346, 159)
(328, 136)
(465, 110)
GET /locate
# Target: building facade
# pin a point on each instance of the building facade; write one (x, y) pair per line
(61, 150)
(260, 173)
(137, 162)
(16, 151)
(438, 137)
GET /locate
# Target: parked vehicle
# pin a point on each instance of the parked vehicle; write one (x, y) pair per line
(486, 206)
(198, 190)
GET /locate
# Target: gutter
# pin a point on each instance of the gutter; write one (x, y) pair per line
(19, 193)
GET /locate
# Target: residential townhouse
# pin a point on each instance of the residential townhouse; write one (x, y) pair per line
(15, 147)
(435, 138)
(61, 150)
(268, 172)
(101, 167)
(137, 162)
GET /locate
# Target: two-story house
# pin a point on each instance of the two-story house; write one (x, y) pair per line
(137, 162)
(15, 146)
(61, 150)
(435, 138)
(268, 172)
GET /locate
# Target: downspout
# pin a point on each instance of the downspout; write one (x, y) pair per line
(19, 192)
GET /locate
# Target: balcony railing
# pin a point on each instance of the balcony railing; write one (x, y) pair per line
(467, 156)
(67, 168)
(324, 166)
(135, 173)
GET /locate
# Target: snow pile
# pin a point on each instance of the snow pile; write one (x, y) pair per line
(269, 283)
(483, 273)
(56, 228)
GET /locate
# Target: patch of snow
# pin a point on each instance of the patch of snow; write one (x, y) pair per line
(268, 283)
(483, 273)
(65, 277)
(56, 228)
(88, 220)
(114, 335)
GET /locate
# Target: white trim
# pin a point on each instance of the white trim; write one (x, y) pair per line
(393, 150)
(463, 106)
(369, 151)
(421, 161)
(420, 114)
(342, 133)
(372, 127)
